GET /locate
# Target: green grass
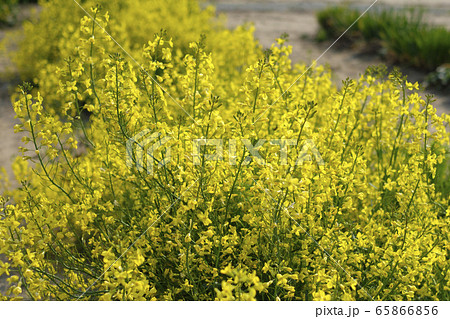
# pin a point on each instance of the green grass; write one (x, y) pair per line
(440, 78)
(334, 21)
(403, 34)
(442, 177)
(7, 8)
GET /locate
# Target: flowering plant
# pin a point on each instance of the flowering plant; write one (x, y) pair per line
(90, 223)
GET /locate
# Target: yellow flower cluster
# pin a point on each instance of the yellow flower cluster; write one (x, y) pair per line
(355, 215)
(63, 31)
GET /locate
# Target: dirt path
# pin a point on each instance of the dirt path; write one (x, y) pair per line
(435, 6)
(9, 141)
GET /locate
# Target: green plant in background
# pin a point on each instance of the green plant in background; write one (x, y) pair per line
(335, 20)
(7, 8)
(424, 47)
(442, 178)
(440, 78)
(375, 25)
(402, 33)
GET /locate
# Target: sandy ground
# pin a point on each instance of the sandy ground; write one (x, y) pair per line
(271, 19)
(9, 141)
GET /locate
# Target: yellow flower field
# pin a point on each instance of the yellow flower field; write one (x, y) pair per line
(268, 182)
